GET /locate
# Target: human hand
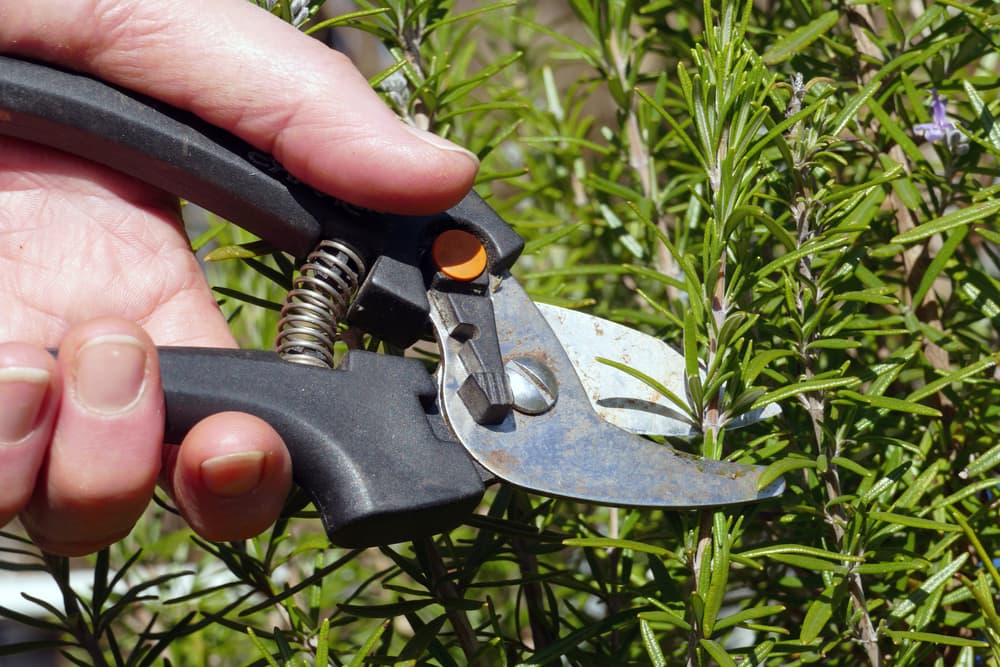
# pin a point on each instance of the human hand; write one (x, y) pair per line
(98, 264)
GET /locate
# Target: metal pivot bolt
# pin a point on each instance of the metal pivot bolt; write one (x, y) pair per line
(533, 384)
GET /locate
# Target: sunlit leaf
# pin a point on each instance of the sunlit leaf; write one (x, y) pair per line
(960, 218)
(800, 38)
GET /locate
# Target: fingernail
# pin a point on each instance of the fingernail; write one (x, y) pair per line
(110, 372)
(21, 393)
(440, 142)
(233, 475)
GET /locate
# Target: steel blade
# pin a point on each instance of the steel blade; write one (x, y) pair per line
(569, 450)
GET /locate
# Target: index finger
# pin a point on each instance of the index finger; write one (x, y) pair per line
(244, 70)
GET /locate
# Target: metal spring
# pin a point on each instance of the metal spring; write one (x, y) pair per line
(319, 299)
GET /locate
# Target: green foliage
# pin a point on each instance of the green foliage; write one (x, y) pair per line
(745, 180)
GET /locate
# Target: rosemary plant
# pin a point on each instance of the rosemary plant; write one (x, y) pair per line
(800, 196)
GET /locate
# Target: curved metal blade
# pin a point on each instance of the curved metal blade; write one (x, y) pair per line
(618, 397)
(569, 450)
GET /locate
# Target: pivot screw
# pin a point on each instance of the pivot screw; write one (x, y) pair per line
(533, 385)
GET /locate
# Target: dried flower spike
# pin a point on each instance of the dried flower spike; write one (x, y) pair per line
(299, 9)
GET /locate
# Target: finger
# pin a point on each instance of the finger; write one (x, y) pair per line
(230, 476)
(105, 453)
(29, 398)
(279, 90)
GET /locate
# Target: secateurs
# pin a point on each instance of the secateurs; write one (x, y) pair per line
(387, 451)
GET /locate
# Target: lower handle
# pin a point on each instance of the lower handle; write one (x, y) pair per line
(365, 440)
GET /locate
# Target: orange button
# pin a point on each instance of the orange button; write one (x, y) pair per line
(459, 255)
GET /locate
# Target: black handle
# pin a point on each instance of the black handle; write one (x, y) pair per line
(178, 152)
(366, 442)
(166, 147)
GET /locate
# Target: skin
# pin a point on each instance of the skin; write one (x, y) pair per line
(98, 265)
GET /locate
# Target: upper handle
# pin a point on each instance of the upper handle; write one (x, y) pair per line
(179, 152)
(166, 147)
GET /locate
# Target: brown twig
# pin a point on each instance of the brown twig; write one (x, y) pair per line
(445, 592)
(815, 404)
(641, 162)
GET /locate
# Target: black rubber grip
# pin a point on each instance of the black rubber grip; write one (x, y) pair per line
(366, 442)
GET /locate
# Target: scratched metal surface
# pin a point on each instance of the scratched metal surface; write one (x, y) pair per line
(618, 397)
(570, 451)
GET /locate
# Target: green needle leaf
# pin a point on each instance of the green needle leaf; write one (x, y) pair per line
(960, 218)
(801, 37)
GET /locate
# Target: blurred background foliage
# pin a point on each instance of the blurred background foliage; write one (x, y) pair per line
(771, 186)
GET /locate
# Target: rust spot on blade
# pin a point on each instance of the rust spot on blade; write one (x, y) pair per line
(498, 459)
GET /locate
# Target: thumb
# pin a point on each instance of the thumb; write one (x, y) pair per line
(244, 70)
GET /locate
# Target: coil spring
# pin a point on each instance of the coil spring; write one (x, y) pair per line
(317, 302)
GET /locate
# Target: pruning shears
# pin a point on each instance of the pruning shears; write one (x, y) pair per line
(385, 449)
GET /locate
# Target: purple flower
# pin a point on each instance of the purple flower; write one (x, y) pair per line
(942, 129)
